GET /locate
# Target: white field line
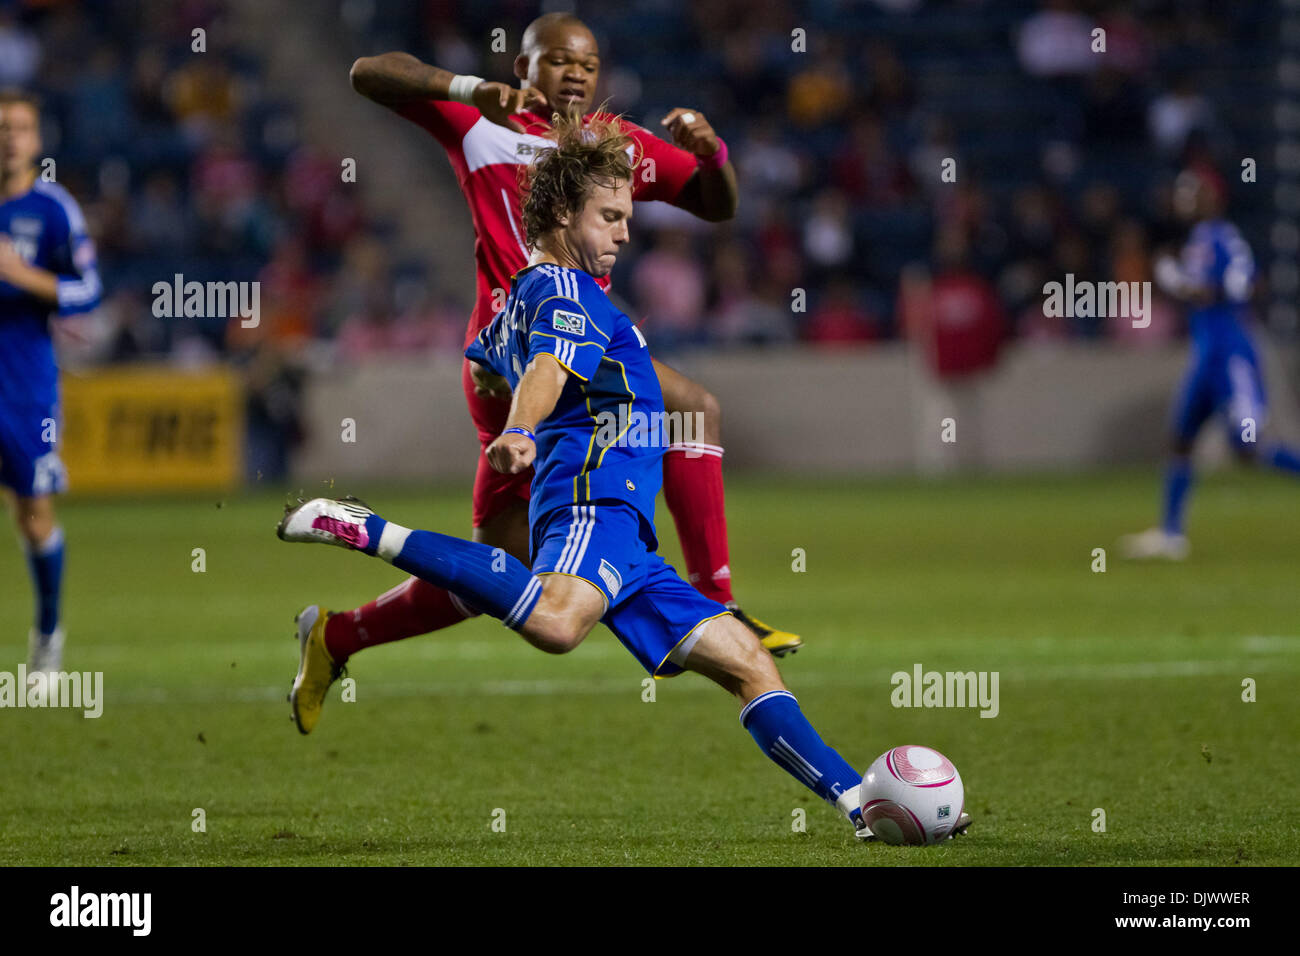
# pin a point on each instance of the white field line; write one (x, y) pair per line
(630, 686)
(603, 647)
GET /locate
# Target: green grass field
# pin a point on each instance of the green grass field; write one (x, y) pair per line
(1120, 691)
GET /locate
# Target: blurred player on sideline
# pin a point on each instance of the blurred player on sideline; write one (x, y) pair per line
(47, 267)
(1215, 276)
(490, 132)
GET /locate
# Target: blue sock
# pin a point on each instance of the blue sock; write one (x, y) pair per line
(1282, 458)
(45, 562)
(487, 578)
(1178, 482)
(784, 734)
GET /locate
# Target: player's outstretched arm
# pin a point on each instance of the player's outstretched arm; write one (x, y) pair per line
(535, 398)
(712, 193)
(394, 79)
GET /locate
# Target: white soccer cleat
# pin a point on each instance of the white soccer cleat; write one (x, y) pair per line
(1154, 543)
(44, 651)
(962, 825)
(850, 804)
(44, 656)
(340, 522)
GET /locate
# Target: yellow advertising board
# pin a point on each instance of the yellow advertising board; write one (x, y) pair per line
(146, 428)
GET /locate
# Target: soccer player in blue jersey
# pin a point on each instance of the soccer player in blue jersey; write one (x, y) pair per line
(47, 268)
(574, 364)
(1214, 276)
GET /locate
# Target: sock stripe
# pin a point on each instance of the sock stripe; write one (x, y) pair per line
(795, 766)
(525, 602)
(782, 746)
(510, 618)
(744, 714)
(794, 771)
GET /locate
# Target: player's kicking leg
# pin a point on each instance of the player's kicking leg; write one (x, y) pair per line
(727, 654)
(693, 490)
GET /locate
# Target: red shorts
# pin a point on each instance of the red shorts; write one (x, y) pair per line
(493, 491)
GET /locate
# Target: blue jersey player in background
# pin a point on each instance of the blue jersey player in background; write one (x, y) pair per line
(47, 268)
(573, 361)
(1215, 276)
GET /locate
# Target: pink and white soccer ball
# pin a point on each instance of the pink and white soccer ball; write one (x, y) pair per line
(912, 796)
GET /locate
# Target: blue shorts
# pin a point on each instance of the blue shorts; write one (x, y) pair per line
(1227, 382)
(651, 610)
(29, 463)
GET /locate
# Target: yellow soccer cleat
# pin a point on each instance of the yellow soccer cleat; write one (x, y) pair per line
(316, 669)
(779, 643)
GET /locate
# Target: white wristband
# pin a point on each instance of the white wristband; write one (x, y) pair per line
(461, 88)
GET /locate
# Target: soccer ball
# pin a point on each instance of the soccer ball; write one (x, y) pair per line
(912, 796)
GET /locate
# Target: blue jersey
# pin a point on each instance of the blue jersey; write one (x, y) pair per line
(47, 228)
(1224, 375)
(604, 440)
(1218, 260)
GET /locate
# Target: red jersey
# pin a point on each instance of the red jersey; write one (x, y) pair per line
(487, 159)
(957, 317)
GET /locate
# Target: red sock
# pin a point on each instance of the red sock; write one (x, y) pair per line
(412, 608)
(693, 490)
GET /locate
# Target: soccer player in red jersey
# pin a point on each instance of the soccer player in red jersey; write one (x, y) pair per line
(490, 130)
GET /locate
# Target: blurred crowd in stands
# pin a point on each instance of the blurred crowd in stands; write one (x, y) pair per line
(1064, 156)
